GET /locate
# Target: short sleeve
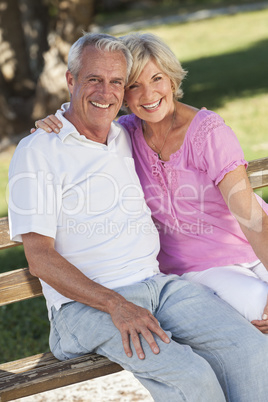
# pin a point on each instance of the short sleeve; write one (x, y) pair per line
(128, 122)
(219, 148)
(33, 195)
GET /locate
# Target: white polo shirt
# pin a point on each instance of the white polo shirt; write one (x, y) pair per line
(87, 196)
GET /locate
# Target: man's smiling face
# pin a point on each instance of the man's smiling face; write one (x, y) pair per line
(97, 92)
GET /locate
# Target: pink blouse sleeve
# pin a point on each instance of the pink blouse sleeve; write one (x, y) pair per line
(219, 149)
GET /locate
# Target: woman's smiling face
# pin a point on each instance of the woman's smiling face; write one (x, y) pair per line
(151, 96)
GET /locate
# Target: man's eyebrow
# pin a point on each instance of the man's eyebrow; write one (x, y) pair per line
(118, 78)
(100, 76)
(93, 75)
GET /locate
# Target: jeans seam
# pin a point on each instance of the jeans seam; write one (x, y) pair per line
(224, 373)
(154, 303)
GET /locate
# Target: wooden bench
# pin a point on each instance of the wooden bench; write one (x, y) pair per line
(43, 372)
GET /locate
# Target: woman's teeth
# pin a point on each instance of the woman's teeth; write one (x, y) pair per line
(152, 105)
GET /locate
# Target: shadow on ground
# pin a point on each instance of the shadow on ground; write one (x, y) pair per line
(213, 80)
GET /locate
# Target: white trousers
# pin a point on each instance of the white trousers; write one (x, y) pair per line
(243, 286)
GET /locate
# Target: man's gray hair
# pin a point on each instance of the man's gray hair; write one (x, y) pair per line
(100, 41)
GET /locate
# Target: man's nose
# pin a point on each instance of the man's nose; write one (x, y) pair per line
(105, 88)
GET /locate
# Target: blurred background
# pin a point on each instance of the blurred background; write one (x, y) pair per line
(227, 56)
(222, 44)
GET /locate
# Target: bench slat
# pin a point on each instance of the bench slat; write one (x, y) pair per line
(46, 373)
(258, 173)
(18, 285)
(5, 241)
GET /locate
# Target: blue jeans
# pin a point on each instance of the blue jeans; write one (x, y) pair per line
(214, 355)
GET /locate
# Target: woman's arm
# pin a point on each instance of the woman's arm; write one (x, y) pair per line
(49, 124)
(242, 203)
(52, 123)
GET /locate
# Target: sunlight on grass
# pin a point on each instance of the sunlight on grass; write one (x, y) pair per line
(248, 118)
(215, 36)
(5, 158)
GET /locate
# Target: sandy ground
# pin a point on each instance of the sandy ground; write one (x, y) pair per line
(118, 387)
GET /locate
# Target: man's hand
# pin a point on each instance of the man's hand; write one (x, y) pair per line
(132, 320)
(262, 325)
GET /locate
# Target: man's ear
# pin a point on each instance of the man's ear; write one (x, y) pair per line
(70, 80)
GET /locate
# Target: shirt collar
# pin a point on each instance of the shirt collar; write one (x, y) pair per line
(69, 129)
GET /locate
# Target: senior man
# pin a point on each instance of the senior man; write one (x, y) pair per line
(77, 204)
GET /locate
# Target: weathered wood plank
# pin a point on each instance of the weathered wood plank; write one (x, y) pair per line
(18, 285)
(5, 241)
(44, 373)
(258, 173)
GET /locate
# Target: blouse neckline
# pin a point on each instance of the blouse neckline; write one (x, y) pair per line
(151, 152)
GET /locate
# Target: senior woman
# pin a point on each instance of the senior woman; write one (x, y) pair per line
(213, 228)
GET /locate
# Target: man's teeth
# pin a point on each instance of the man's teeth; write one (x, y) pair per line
(152, 105)
(100, 105)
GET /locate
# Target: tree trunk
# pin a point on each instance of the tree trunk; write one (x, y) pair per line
(15, 76)
(35, 37)
(73, 18)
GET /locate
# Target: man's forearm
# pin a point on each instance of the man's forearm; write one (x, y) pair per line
(47, 264)
(131, 320)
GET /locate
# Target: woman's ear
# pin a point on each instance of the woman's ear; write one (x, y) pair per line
(124, 107)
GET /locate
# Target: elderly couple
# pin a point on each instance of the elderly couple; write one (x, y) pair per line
(77, 204)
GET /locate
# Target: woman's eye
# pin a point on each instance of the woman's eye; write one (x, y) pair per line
(132, 86)
(158, 78)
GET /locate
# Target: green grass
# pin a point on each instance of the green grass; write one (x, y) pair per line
(24, 326)
(24, 329)
(227, 63)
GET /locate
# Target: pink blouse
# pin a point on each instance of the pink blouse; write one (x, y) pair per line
(196, 228)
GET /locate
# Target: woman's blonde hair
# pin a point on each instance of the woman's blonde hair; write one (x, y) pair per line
(146, 46)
